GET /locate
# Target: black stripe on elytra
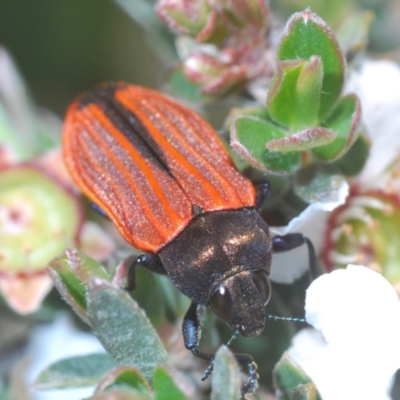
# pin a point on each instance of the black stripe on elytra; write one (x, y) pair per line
(126, 122)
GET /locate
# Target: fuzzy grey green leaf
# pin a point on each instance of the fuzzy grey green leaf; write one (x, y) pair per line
(77, 371)
(124, 329)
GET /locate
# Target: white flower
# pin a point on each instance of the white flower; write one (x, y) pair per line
(291, 265)
(366, 229)
(357, 349)
(377, 83)
(49, 344)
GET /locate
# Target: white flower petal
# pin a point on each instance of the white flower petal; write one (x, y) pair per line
(356, 296)
(358, 313)
(333, 374)
(53, 342)
(291, 265)
(377, 84)
(306, 344)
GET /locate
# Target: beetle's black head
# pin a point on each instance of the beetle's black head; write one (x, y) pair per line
(222, 260)
(240, 301)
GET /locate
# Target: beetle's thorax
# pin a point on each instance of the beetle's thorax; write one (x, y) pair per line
(215, 246)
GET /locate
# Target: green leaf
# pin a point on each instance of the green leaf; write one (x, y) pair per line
(295, 91)
(255, 111)
(124, 377)
(24, 130)
(17, 114)
(148, 291)
(71, 274)
(280, 99)
(303, 140)
(353, 161)
(47, 131)
(123, 328)
(288, 375)
(320, 183)
(225, 378)
(308, 35)
(121, 394)
(308, 92)
(304, 392)
(10, 140)
(75, 372)
(249, 138)
(344, 120)
(164, 386)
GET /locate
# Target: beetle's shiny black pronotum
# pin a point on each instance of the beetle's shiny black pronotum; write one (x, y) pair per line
(161, 174)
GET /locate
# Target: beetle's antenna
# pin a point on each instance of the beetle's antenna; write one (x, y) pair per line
(300, 321)
(210, 368)
(208, 371)
(234, 336)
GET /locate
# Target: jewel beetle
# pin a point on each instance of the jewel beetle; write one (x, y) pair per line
(161, 173)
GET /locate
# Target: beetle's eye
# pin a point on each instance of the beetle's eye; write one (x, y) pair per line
(221, 303)
(263, 285)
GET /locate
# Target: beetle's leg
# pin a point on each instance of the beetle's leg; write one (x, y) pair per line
(191, 337)
(150, 261)
(293, 240)
(262, 194)
(192, 332)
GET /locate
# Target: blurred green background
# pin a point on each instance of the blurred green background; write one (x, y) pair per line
(63, 47)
